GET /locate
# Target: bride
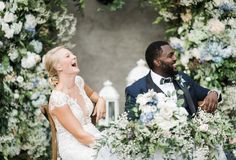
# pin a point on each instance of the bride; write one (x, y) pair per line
(71, 108)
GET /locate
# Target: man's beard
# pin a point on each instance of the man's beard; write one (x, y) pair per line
(168, 69)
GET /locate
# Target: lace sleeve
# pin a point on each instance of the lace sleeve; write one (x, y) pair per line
(57, 99)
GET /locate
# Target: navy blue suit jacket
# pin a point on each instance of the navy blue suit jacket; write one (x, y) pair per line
(195, 92)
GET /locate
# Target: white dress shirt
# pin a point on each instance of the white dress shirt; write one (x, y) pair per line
(167, 88)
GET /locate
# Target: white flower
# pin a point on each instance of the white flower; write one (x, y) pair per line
(16, 95)
(38, 46)
(8, 17)
(218, 2)
(1, 44)
(195, 53)
(185, 59)
(215, 26)
(167, 109)
(203, 127)
(30, 22)
(208, 79)
(30, 60)
(13, 54)
(17, 27)
(197, 36)
(19, 79)
(2, 6)
(8, 31)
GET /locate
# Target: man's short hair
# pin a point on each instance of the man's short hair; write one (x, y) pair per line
(154, 50)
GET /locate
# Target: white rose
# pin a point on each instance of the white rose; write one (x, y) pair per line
(215, 26)
(30, 22)
(166, 111)
(19, 79)
(17, 27)
(203, 127)
(9, 17)
(2, 6)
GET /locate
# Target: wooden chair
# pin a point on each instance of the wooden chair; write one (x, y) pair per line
(45, 111)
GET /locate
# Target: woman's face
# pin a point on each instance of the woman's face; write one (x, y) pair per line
(67, 62)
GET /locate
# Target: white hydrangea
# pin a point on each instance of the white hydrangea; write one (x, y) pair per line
(215, 26)
(30, 22)
(38, 46)
(13, 54)
(197, 36)
(30, 60)
(185, 59)
(2, 6)
(219, 2)
(8, 31)
(9, 17)
(195, 52)
(16, 27)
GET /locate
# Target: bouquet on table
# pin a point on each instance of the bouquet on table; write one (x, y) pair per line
(164, 131)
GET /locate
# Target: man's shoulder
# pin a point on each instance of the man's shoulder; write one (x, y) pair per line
(137, 85)
(184, 76)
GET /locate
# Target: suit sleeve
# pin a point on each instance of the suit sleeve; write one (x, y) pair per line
(130, 103)
(200, 92)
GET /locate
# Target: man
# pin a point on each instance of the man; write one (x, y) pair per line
(164, 78)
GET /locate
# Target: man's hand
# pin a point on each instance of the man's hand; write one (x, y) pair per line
(210, 102)
(100, 108)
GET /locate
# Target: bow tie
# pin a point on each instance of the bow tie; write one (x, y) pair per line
(166, 80)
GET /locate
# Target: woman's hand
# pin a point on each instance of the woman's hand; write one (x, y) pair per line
(100, 108)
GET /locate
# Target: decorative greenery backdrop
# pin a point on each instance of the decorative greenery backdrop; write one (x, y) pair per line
(28, 28)
(203, 32)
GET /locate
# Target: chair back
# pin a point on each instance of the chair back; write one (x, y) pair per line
(45, 111)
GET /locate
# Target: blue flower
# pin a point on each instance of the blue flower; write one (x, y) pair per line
(146, 117)
(153, 102)
(227, 7)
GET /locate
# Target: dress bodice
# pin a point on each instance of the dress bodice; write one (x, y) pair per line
(60, 99)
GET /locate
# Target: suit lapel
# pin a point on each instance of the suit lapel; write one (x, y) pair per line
(188, 99)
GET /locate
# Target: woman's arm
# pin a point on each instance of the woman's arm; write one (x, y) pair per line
(100, 103)
(72, 124)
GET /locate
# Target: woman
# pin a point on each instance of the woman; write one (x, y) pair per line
(71, 108)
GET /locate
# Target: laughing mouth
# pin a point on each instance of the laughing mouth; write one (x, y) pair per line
(74, 64)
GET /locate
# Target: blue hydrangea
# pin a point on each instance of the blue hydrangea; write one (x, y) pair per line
(146, 117)
(227, 7)
(153, 102)
(216, 51)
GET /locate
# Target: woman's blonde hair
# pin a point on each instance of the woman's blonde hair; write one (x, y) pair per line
(49, 62)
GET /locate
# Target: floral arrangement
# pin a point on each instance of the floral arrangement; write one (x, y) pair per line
(206, 43)
(165, 131)
(27, 30)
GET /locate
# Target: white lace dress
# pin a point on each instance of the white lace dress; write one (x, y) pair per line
(69, 147)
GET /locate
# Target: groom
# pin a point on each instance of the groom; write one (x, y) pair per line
(164, 78)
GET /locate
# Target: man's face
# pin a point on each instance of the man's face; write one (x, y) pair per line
(167, 61)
